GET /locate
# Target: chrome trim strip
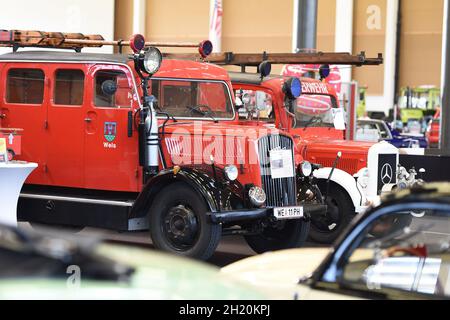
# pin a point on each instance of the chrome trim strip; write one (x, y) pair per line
(79, 200)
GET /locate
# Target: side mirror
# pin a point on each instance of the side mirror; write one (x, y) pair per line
(109, 87)
(339, 119)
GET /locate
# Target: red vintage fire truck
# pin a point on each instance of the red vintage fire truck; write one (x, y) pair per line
(354, 174)
(136, 142)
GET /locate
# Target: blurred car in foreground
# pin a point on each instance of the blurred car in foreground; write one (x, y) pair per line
(378, 130)
(399, 250)
(45, 266)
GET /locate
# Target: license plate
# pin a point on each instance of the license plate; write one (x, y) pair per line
(288, 213)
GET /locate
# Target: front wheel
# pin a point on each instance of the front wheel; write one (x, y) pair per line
(285, 235)
(179, 224)
(327, 227)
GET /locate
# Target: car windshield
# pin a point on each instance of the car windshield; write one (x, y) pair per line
(406, 250)
(193, 99)
(313, 110)
(364, 128)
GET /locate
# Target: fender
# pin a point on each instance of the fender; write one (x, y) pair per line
(343, 179)
(200, 179)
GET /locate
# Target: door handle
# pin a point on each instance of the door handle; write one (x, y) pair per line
(88, 120)
(2, 116)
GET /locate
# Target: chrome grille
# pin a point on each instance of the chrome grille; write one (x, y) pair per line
(280, 192)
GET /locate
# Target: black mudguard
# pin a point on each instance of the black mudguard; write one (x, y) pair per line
(218, 194)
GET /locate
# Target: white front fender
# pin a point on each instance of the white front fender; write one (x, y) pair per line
(346, 181)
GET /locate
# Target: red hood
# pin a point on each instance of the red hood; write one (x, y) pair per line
(324, 151)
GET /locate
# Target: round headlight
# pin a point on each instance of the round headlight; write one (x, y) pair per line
(257, 196)
(306, 168)
(246, 98)
(231, 172)
(151, 61)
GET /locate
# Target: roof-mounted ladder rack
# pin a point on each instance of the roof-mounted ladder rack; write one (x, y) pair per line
(73, 41)
(255, 59)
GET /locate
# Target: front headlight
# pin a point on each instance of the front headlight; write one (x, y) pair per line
(231, 172)
(306, 168)
(257, 196)
(151, 61)
(363, 177)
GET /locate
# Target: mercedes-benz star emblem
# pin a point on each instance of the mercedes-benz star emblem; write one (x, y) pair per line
(387, 174)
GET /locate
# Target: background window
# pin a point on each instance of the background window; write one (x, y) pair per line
(25, 86)
(123, 96)
(69, 87)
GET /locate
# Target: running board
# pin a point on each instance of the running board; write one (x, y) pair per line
(79, 211)
(77, 199)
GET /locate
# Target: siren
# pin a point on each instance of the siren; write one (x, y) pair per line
(205, 48)
(324, 71)
(137, 43)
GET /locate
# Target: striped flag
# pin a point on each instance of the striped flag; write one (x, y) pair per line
(215, 25)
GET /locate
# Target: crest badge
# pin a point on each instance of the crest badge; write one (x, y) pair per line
(110, 131)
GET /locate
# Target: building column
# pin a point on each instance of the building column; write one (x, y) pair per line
(444, 47)
(445, 108)
(304, 33)
(344, 33)
(390, 49)
(139, 13)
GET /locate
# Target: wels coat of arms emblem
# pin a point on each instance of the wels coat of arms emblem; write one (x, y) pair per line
(110, 131)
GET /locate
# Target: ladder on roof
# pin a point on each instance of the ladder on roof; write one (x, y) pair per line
(74, 41)
(255, 59)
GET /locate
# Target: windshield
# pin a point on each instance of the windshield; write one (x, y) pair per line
(193, 99)
(313, 110)
(372, 131)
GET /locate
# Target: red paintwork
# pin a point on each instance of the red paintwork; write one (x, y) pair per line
(71, 151)
(16, 145)
(433, 130)
(318, 145)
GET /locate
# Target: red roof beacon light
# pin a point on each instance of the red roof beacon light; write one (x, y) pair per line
(137, 43)
(205, 48)
(5, 36)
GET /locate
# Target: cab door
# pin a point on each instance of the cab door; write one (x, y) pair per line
(66, 110)
(111, 156)
(23, 104)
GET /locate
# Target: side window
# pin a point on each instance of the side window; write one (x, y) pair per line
(406, 250)
(254, 104)
(25, 86)
(112, 90)
(69, 87)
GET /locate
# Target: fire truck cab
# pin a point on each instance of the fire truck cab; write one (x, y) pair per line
(136, 142)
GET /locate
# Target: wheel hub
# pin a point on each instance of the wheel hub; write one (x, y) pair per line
(181, 225)
(330, 220)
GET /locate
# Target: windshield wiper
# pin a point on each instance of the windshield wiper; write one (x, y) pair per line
(208, 112)
(312, 121)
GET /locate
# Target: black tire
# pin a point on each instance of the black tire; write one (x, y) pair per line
(179, 224)
(326, 228)
(289, 234)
